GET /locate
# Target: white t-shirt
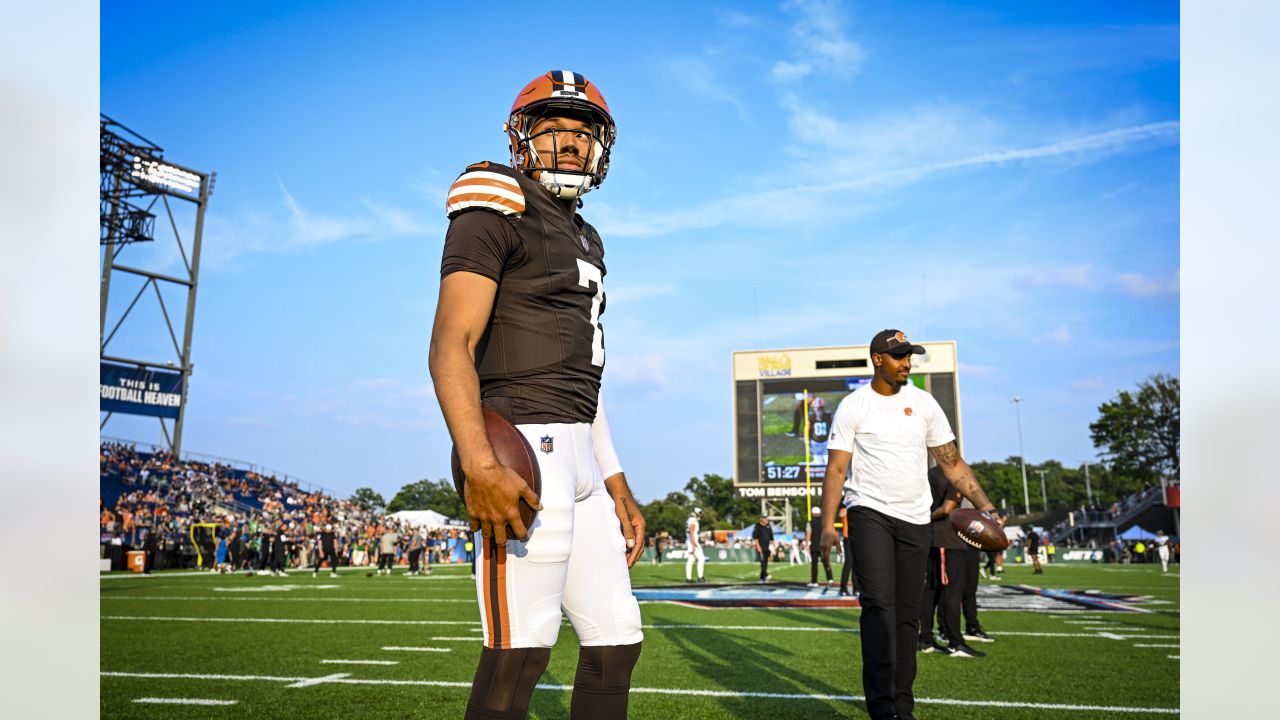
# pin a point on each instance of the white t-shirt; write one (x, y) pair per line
(691, 526)
(889, 437)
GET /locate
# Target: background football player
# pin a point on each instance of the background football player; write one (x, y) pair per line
(517, 331)
(693, 544)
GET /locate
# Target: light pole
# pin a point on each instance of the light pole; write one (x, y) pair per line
(1044, 494)
(1022, 457)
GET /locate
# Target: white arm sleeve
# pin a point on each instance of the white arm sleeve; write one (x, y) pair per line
(602, 442)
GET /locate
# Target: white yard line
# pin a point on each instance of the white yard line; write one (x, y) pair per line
(319, 680)
(1175, 657)
(472, 638)
(186, 598)
(1012, 633)
(1156, 645)
(184, 701)
(665, 691)
(424, 649)
(304, 621)
(359, 662)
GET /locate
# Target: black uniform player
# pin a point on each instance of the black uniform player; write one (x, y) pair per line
(326, 549)
(947, 578)
(518, 331)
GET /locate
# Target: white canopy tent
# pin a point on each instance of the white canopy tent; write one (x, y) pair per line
(429, 519)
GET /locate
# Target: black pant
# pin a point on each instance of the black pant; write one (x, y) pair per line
(846, 572)
(764, 563)
(972, 558)
(943, 598)
(385, 560)
(890, 559)
(815, 551)
(326, 553)
(414, 554)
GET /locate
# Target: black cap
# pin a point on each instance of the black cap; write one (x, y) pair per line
(893, 342)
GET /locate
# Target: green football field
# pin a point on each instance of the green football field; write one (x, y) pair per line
(188, 645)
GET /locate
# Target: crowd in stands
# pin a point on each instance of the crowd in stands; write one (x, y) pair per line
(186, 512)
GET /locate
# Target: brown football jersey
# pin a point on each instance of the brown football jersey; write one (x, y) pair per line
(542, 355)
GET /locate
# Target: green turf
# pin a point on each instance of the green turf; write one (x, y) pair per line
(1092, 670)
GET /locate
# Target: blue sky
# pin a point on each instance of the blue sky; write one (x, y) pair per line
(786, 175)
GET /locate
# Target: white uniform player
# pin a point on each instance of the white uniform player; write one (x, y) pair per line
(1162, 549)
(694, 547)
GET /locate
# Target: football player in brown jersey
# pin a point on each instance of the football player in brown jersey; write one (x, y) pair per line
(517, 331)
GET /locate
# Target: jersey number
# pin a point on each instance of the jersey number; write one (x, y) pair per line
(819, 429)
(587, 274)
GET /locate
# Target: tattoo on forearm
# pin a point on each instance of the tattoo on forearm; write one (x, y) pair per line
(946, 455)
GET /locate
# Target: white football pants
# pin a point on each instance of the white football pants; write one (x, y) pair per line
(574, 560)
(695, 553)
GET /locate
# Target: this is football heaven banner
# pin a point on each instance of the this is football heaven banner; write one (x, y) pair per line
(135, 391)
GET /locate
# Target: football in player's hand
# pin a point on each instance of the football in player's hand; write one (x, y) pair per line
(979, 529)
(513, 450)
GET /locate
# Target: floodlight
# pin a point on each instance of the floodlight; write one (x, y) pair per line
(159, 173)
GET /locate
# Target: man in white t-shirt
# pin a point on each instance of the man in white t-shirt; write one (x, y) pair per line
(892, 427)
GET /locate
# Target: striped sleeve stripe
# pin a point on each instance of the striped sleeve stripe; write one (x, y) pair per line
(489, 202)
(487, 190)
(487, 187)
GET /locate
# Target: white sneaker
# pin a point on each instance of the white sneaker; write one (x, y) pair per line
(811, 585)
(333, 574)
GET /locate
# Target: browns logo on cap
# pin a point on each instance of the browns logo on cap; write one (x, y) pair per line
(894, 342)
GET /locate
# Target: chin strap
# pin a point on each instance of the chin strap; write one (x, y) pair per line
(603, 682)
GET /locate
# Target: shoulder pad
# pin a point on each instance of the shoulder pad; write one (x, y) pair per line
(484, 186)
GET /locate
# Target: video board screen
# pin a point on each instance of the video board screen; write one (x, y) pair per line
(770, 389)
(783, 427)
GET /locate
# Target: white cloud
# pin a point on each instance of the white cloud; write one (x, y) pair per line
(229, 237)
(650, 369)
(701, 77)
(1142, 286)
(819, 43)
(1060, 335)
(784, 205)
(784, 71)
(1088, 384)
(1076, 276)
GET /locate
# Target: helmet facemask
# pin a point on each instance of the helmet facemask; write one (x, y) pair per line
(564, 183)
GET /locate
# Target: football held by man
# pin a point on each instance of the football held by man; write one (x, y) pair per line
(518, 331)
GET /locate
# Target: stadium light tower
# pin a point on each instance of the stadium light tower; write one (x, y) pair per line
(136, 183)
(1022, 457)
(1044, 493)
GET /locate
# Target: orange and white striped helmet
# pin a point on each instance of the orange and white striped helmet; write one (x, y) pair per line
(561, 93)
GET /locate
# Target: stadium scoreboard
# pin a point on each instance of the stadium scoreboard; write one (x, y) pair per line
(782, 397)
